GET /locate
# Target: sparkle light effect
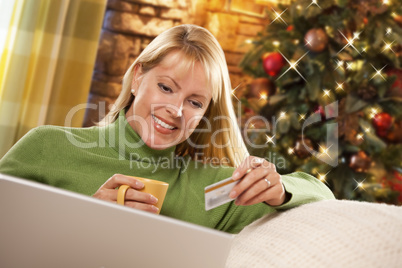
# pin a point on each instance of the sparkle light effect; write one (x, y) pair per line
(279, 16)
(373, 113)
(385, 2)
(360, 136)
(378, 72)
(282, 115)
(349, 66)
(327, 92)
(339, 86)
(270, 139)
(350, 41)
(360, 185)
(322, 177)
(293, 66)
(302, 117)
(324, 150)
(234, 94)
(313, 2)
(263, 96)
(387, 46)
(388, 31)
(339, 64)
(367, 130)
(291, 150)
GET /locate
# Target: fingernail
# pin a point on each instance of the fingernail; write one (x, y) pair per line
(155, 209)
(139, 184)
(154, 199)
(236, 175)
(232, 194)
(237, 202)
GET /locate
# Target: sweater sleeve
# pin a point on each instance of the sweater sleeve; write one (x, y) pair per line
(303, 188)
(24, 158)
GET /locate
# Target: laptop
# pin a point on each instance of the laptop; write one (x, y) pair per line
(43, 226)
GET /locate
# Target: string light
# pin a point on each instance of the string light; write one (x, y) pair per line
(387, 46)
(385, 2)
(276, 43)
(234, 94)
(263, 96)
(270, 139)
(349, 66)
(359, 185)
(282, 115)
(367, 130)
(388, 31)
(326, 92)
(339, 63)
(249, 41)
(291, 150)
(374, 112)
(339, 86)
(279, 16)
(325, 151)
(313, 2)
(360, 136)
(302, 117)
(378, 72)
(350, 41)
(322, 177)
(293, 65)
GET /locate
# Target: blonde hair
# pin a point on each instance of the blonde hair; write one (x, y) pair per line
(198, 45)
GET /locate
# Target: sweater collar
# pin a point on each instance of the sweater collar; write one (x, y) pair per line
(122, 137)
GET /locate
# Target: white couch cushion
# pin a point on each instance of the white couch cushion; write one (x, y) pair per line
(330, 233)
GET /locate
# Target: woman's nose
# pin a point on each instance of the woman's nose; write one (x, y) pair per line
(175, 111)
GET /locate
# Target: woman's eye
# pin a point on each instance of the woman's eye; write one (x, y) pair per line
(196, 104)
(164, 88)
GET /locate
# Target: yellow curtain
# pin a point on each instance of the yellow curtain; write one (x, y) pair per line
(46, 64)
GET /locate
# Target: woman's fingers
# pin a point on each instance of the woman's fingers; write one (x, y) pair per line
(259, 183)
(248, 164)
(141, 206)
(266, 189)
(133, 197)
(117, 179)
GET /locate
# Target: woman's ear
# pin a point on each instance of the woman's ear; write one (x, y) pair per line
(136, 77)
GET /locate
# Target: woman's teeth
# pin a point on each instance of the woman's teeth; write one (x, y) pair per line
(162, 124)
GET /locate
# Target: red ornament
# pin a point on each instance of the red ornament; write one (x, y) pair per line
(382, 123)
(272, 63)
(290, 28)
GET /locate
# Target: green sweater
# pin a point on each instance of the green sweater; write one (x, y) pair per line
(82, 159)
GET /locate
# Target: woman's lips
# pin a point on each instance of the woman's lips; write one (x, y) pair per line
(162, 126)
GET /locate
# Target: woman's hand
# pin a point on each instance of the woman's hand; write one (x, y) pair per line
(134, 198)
(259, 183)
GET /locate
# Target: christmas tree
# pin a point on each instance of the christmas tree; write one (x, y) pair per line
(326, 95)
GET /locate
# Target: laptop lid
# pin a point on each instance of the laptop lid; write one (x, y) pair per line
(43, 226)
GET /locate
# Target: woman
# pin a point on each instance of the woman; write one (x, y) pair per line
(172, 122)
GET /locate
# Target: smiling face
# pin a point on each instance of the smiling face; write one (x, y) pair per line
(170, 100)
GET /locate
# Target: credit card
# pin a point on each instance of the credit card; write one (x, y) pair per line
(217, 194)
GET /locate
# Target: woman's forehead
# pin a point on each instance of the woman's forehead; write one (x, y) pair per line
(184, 66)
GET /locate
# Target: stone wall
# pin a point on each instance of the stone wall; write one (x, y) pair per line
(129, 25)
